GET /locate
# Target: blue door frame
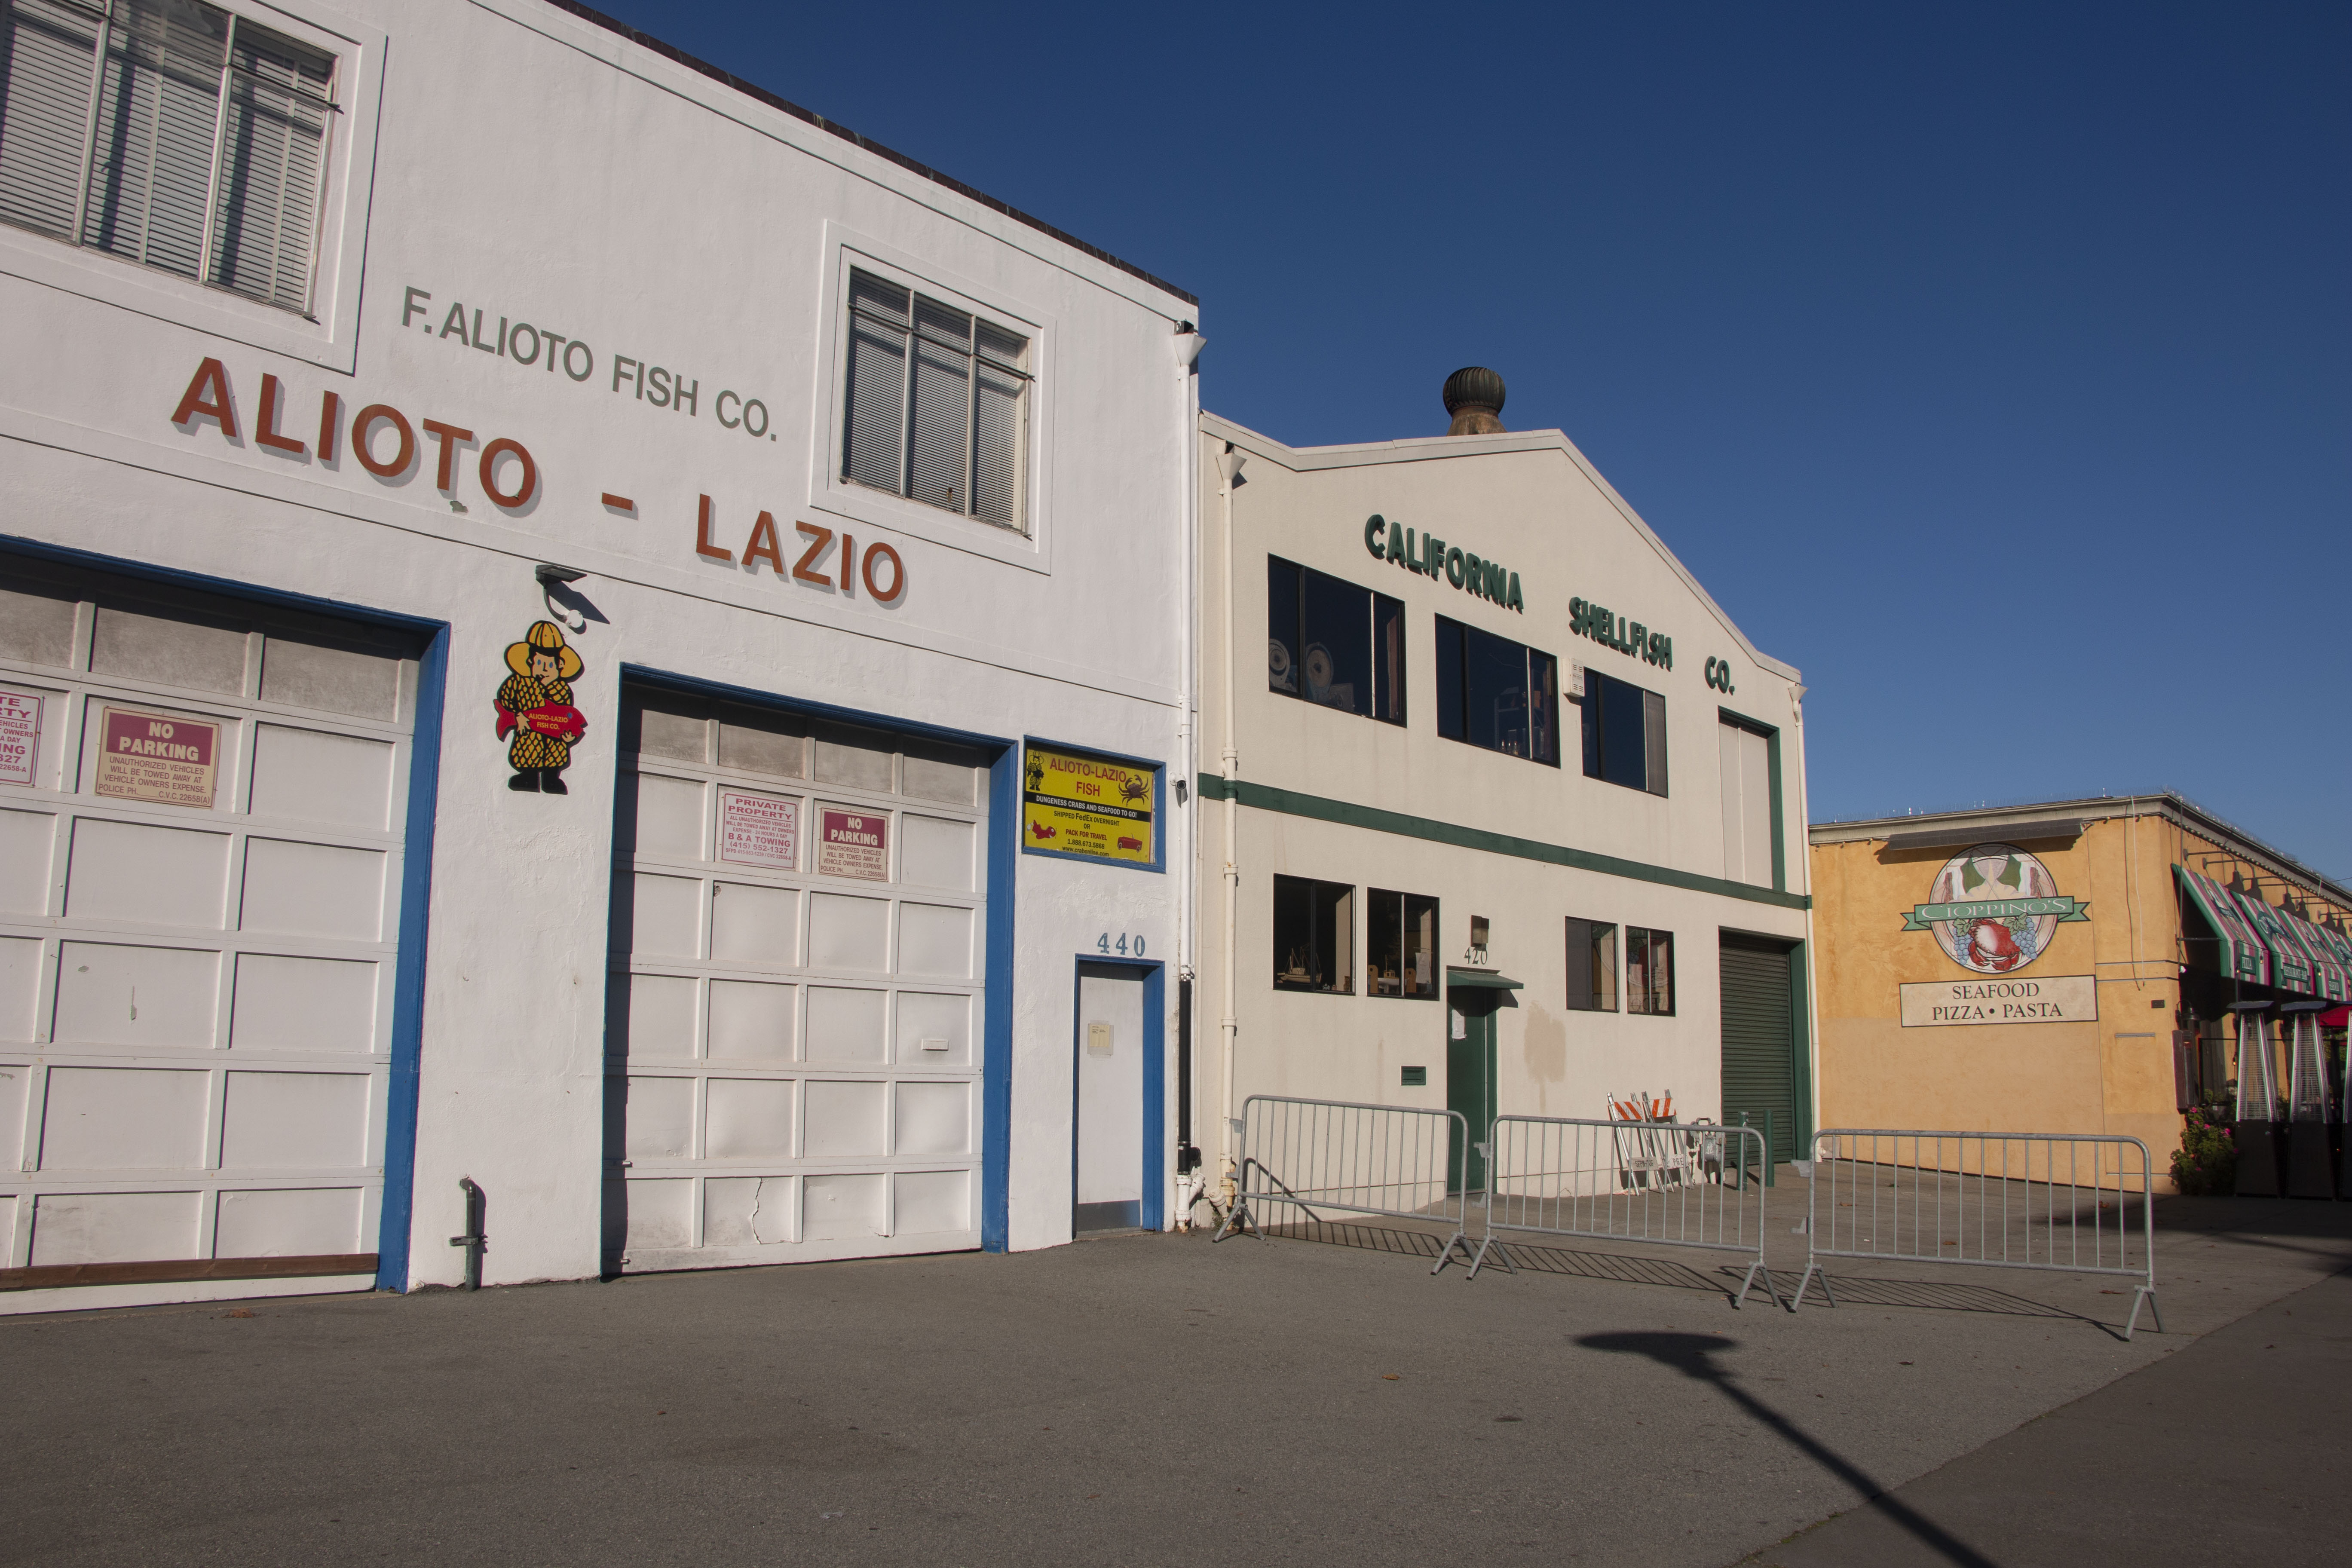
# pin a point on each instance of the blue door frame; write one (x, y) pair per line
(1154, 1209)
(1004, 864)
(418, 816)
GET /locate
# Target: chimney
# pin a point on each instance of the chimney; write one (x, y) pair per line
(1474, 396)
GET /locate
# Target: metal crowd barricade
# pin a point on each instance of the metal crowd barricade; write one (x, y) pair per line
(2066, 1203)
(1658, 1181)
(1322, 1155)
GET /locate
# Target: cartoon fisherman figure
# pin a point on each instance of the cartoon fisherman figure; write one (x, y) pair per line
(535, 703)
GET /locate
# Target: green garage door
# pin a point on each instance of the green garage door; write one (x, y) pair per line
(1760, 1041)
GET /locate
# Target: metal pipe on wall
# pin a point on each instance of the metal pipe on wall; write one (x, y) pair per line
(1187, 1162)
(1229, 466)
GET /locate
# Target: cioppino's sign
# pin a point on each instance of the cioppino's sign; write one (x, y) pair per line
(395, 448)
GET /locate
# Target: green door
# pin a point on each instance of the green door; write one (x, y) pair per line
(1759, 1042)
(1470, 1075)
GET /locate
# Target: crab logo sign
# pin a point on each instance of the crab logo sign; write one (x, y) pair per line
(1993, 909)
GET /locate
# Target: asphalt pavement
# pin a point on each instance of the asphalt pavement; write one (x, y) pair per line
(1163, 1400)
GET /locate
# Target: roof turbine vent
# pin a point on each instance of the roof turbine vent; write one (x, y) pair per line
(1474, 396)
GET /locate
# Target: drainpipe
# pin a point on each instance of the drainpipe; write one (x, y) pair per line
(1189, 1177)
(1229, 465)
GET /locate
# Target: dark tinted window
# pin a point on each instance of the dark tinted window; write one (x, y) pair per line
(1591, 966)
(1314, 935)
(1649, 971)
(1281, 626)
(1497, 693)
(1388, 658)
(1624, 734)
(1336, 622)
(1333, 644)
(1401, 945)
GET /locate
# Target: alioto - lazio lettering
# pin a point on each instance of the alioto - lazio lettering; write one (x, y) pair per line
(386, 442)
(1434, 557)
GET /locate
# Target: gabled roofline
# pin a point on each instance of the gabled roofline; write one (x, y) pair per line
(2169, 805)
(1436, 449)
(704, 68)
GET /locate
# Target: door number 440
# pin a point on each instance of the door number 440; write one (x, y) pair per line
(1106, 943)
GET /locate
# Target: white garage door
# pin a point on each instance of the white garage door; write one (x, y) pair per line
(200, 870)
(794, 1037)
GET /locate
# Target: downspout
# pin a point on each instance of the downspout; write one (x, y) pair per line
(1804, 825)
(1189, 1180)
(1229, 466)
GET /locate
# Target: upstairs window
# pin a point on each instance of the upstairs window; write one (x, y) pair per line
(1591, 966)
(1495, 694)
(171, 133)
(1314, 935)
(1401, 945)
(1332, 643)
(937, 408)
(1624, 734)
(1649, 971)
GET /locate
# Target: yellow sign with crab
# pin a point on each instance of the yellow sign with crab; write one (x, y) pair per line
(1075, 804)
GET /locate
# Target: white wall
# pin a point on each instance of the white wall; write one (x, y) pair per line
(544, 171)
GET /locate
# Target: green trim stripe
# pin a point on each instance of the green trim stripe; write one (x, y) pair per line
(1292, 803)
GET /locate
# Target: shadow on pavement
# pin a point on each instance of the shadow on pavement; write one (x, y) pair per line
(1689, 1354)
(1941, 1297)
(1630, 1269)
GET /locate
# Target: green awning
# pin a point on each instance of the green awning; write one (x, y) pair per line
(1481, 980)
(2330, 980)
(2242, 953)
(2290, 965)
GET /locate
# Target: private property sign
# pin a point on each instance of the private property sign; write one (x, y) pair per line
(20, 736)
(2053, 999)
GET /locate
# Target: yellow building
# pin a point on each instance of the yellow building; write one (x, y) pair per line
(2073, 967)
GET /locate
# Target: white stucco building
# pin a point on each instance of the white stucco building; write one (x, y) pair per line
(554, 612)
(1516, 817)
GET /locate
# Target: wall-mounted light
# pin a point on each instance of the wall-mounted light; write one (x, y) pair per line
(1478, 953)
(551, 577)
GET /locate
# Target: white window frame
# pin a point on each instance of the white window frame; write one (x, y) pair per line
(829, 491)
(330, 336)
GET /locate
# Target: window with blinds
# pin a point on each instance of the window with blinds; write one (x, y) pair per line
(937, 407)
(168, 133)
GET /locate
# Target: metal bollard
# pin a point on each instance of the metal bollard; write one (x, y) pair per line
(475, 1239)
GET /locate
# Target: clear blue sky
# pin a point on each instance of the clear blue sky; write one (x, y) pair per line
(1992, 364)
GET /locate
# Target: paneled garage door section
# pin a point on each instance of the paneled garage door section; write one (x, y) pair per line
(200, 872)
(793, 1034)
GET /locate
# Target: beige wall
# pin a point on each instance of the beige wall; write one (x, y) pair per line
(2112, 1076)
(1530, 502)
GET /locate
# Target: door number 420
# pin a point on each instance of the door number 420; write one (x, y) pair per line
(1105, 944)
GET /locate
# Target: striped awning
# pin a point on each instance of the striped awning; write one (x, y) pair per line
(2331, 976)
(2339, 943)
(2290, 961)
(2243, 955)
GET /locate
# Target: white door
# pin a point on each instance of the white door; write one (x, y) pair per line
(201, 807)
(1110, 1098)
(795, 1034)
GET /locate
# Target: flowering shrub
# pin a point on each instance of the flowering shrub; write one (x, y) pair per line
(2207, 1160)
